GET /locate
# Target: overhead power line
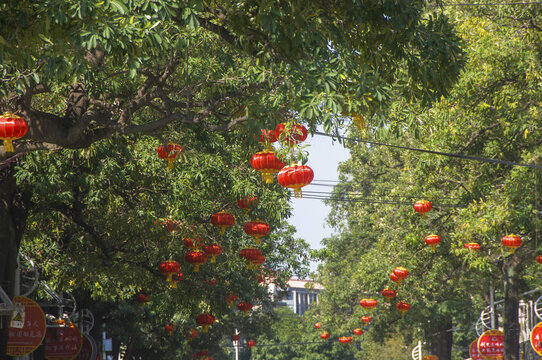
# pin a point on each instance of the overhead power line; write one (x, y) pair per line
(496, 4)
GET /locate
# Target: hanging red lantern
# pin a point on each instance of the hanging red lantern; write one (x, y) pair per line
(236, 337)
(260, 259)
(324, 335)
(196, 257)
(472, 246)
(366, 319)
(231, 298)
(422, 206)
(12, 127)
(168, 328)
(205, 320)
(175, 279)
(251, 343)
(295, 177)
(539, 259)
(358, 332)
(245, 307)
(194, 243)
(432, 240)
(294, 134)
(401, 273)
(403, 307)
(256, 229)
(512, 242)
(251, 255)
(169, 268)
(190, 334)
(143, 299)
(317, 325)
(389, 293)
(202, 354)
(267, 137)
(222, 220)
(213, 251)
(247, 203)
(169, 153)
(395, 278)
(266, 163)
(345, 339)
(368, 304)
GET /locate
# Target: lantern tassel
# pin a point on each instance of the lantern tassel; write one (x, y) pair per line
(205, 328)
(434, 247)
(298, 193)
(245, 312)
(257, 240)
(169, 277)
(213, 259)
(8, 146)
(512, 251)
(196, 267)
(173, 285)
(267, 177)
(222, 230)
(171, 163)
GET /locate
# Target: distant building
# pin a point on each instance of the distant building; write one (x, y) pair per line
(299, 295)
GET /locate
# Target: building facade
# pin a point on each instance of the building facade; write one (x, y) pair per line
(299, 296)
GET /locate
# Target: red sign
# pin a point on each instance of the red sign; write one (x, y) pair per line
(24, 340)
(536, 338)
(86, 349)
(491, 345)
(62, 343)
(473, 351)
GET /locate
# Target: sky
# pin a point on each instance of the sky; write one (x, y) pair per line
(309, 216)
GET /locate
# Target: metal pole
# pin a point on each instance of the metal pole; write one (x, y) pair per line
(492, 304)
(236, 345)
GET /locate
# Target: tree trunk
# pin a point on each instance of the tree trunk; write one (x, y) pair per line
(442, 345)
(13, 213)
(511, 270)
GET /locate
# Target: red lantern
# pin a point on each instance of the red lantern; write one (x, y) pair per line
(169, 268)
(175, 279)
(252, 255)
(512, 242)
(236, 337)
(231, 298)
(205, 320)
(368, 304)
(401, 273)
(247, 203)
(295, 177)
(258, 261)
(317, 325)
(143, 299)
(324, 335)
(213, 251)
(389, 293)
(256, 229)
(168, 328)
(345, 339)
(267, 164)
(194, 243)
(432, 240)
(295, 133)
(245, 307)
(422, 206)
(190, 334)
(222, 220)
(251, 343)
(170, 153)
(196, 257)
(403, 307)
(12, 127)
(539, 259)
(267, 137)
(366, 319)
(395, 278)
(202, 354)
(472, 246)
(358, 332)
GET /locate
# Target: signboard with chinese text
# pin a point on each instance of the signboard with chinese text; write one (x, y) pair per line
(491, 345)
(62, 343)
(23, 341)
(86, 349)
(473, 351)
(536, 338)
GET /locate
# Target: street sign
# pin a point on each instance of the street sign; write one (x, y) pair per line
(491, 345)
(86, 350)
(23, 340)
(536, 338)
(473, 351)
(62, 343)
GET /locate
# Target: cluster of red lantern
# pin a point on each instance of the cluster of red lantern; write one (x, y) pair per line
(205, 321)
(169, 153)
(169, 268)
(12, 127)
(345, 339)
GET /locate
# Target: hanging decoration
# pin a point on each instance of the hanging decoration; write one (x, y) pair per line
(389, 293)
(222, 220)
(245, 307)
(12, 127)
(251, 343)
(432, 240)
(260, 259)
(236, 337)
(175, 279)
(190, 334)
(368, 304)
(358, 332)
(512, 242)
(169, 224)
(324, 335)
(196, 257)
(295, 177)
(401, 273)
(403, 307)
(169, 153)
(205, 321)
(168, 328)
(231, 298)
(251, 255)
(345, 339)
(247, 203)
(366, 319)
(422, 206)
(266, 163)
(317, 325)
(472, 246)
(142, 298)
(291, 135)
(213, 251)
(256, 229)
(267, 137)
(395, 279)
(539, 259)
(169, 268)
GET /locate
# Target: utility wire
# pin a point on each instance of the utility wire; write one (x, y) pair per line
(454, 155)
(496, 4)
